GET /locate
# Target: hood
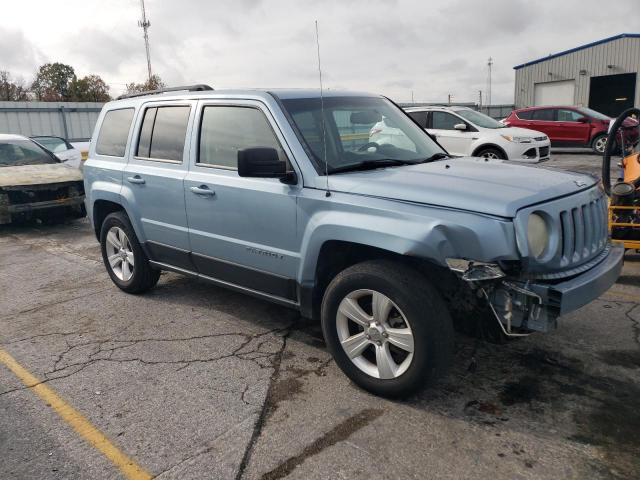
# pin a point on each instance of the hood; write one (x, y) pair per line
(494, 187)
(520, 132)
(38, 175)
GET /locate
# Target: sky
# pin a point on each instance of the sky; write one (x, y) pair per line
(420, 49)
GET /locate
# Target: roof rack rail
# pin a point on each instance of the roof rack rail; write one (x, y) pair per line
(189, 88)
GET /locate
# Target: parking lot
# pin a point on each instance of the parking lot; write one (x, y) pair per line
(193, 381)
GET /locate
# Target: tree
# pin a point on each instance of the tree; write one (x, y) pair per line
(90, 89)
(153, 83)
(53, 82)
(12, 90)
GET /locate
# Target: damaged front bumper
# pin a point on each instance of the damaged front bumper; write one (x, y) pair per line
(525, 306)
(23, 201)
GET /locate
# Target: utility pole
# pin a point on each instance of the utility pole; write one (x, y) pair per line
(412, 97)
(449, 99)
(480, 99)
(145, 24)
(489, 64)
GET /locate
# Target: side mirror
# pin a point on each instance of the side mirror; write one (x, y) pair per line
(583, 120)
(263, 162)
(460, 126)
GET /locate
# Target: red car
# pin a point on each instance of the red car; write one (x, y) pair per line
(571, 126)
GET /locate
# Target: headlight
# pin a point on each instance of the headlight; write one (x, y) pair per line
(537, 235)
(517, 139)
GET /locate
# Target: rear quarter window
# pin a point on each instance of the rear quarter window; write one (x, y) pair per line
(527, 115)
(114, 132)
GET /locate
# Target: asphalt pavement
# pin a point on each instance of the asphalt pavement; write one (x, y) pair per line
(193, 381)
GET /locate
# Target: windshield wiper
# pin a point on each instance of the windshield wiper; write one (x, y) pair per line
(371, 164)
(434, 157)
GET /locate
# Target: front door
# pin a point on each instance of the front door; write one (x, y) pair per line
(573, 127)
(242, 230)
(153, 180)
(456, 142)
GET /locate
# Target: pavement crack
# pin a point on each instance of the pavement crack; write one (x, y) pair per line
(266, 406)
(635, 323)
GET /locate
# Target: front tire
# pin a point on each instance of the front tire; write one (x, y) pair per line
(491, 153)
(123, 257)
(387, 328)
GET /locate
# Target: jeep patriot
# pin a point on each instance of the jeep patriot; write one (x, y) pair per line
(283, 195)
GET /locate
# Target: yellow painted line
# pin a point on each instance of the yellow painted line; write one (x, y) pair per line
(76, 420)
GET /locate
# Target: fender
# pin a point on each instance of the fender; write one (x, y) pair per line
(415, 230)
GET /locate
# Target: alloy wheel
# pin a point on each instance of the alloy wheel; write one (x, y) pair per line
(375, 334)
(601, 144)
(119, 253)
(490, 155)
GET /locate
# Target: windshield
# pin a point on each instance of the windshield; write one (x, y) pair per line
(479, 119)
(593, 114)
(53, 144)
(359, 131)
(23, 152)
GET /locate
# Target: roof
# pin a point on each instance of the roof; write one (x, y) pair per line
(7, 137)
(576, 49)
(454, 108)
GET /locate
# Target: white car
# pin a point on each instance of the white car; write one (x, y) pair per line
(62, 149)
(465, 132)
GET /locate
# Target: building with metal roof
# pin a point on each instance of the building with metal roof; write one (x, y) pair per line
(602, 75)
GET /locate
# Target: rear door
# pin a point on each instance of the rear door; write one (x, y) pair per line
(153, 179)
(573, 127)
(242, 230)
(543, 120)
(456, 142)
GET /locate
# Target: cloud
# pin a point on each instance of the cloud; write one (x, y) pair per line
(395, 48)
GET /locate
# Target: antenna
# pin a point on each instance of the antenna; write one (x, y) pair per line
(145, 24)
(489, 64)
(324, 141)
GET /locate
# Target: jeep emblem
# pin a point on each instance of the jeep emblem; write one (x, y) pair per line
(580, 183)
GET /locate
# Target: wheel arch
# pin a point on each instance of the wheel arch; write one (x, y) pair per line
(485, 146)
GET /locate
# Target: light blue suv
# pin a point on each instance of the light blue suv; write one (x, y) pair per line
(284, 195)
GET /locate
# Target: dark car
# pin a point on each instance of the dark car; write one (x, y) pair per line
(571, 126)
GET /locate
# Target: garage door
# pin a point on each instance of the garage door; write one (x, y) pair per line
(554, 93)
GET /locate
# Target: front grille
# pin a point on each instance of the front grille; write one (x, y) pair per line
(544, 152)
(37, 194)
(584, 232)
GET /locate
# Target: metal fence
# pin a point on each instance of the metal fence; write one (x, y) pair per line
(495, 111)
(71, 120)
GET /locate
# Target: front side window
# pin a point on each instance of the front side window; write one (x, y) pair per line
(569, 116)
(226, 129)
(544, 115)
(163, 133)
(593, 114)
(112, 138)
(15, 153)
(444, 121)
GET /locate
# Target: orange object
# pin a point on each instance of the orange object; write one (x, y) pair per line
(631, 165)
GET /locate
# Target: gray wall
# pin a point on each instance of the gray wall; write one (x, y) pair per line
(624, 53)
(70, 120)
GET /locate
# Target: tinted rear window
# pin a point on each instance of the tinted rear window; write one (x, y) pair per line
(545, 115)
(526, 115)
(419, 117)
(163, 133)
(112, 139)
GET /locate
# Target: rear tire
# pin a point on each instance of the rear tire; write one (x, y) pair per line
(492, 153)
(599, 144)
(412, 343)
(123, 257)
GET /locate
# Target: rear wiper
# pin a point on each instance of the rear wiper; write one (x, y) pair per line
(371, 164)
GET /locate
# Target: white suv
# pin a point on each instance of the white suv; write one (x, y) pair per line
(463, 131)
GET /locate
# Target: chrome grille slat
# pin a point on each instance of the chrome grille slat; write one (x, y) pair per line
(578, 228)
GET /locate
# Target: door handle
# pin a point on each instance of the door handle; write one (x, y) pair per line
(203, 190)
(137, 179)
